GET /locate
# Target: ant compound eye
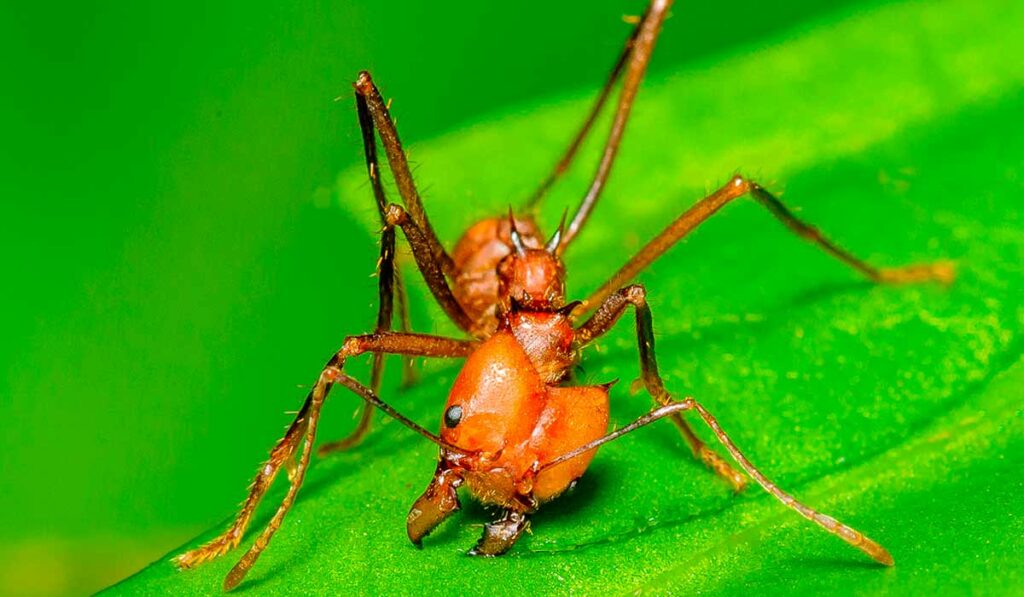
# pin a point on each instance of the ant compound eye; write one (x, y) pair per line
(452, 416)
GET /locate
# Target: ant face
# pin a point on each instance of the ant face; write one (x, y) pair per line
(531, 278)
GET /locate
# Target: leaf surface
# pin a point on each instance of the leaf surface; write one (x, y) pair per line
(898, 132)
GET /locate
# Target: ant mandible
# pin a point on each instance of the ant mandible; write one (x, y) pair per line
(514, 429)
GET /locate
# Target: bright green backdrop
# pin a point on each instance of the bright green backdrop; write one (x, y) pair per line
(177, 258)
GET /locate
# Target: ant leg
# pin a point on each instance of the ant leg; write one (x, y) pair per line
(405, 325)
(282, 455)
(303, 430)
(642, 43)
(603, 320)
(387, 276)
(674, 408)
(395, 215)
(737, 187)
(378, 111)
(602, 97)
(433, 261)
(389, 285)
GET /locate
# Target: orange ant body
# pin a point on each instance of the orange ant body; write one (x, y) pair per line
(515, 430)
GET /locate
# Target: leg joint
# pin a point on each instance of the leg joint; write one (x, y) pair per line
(353, 346)
(364, 83)
(636, 294)
(741, 184)
(395, 215)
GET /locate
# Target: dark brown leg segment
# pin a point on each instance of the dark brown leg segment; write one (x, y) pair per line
(378, 110)
(303, 430)
(738, 187)
(603, 320)
(433, 261)
(429, 267)
(389, 285)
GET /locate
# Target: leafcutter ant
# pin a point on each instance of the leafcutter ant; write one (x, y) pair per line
(515, 430)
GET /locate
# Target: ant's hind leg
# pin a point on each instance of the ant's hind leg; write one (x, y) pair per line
(639, 50)
(375, 109)
(390, 287)
(737, 187)
(435, 264)
(603, 320)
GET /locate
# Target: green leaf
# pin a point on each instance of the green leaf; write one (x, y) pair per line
(897, 410)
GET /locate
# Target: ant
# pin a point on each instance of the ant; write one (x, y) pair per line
(515, 430)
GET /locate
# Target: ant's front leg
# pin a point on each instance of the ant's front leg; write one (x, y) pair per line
(303, 430)
(603, 320)
(674, 408)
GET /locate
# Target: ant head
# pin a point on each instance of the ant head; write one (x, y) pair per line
(529, 278)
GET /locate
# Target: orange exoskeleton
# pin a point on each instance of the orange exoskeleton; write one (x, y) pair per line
(516, 430)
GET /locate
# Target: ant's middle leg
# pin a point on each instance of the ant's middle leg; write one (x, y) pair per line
(603, 320)
(738, 187)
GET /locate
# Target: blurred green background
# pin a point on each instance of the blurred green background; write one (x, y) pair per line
(174, 265)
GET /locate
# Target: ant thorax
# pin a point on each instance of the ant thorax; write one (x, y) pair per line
(547, 339)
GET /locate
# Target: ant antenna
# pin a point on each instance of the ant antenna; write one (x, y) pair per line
(517, 240)
(370, 397)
